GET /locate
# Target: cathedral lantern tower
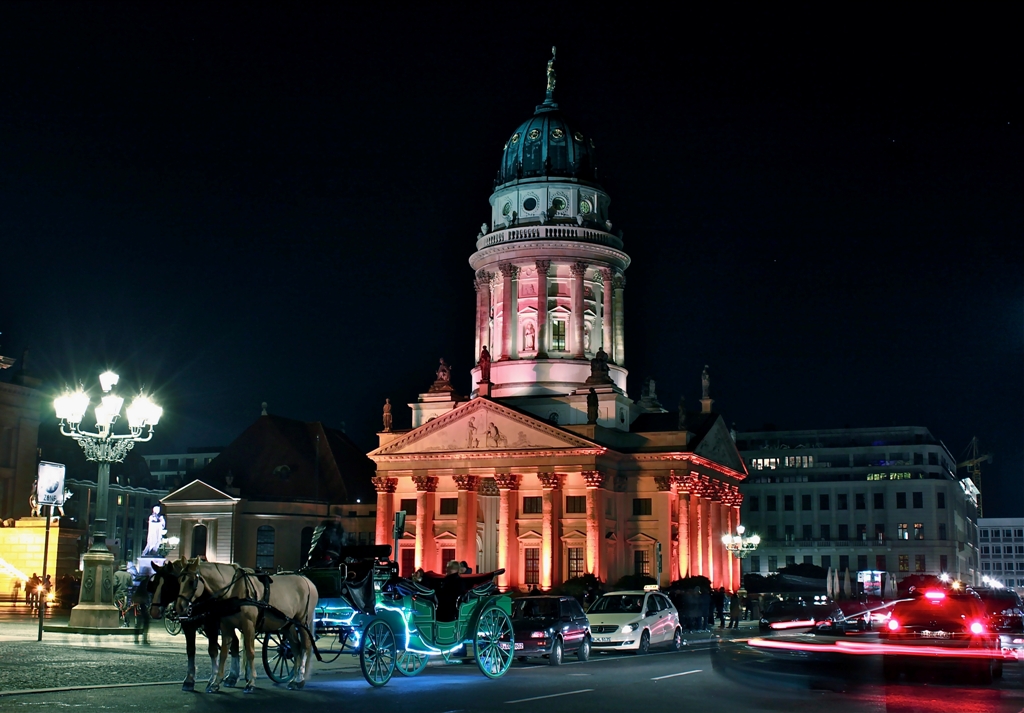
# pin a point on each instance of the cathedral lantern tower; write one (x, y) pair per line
(549, 270)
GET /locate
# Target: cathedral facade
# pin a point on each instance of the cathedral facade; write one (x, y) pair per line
(548, 470)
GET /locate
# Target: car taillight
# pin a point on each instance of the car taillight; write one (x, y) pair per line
(893, 625)
(537, 635)
(977, 628)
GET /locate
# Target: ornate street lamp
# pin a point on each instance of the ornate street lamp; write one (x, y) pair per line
(96, 609)
(739, 545)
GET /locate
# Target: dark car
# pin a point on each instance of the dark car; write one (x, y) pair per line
(801, 614)
(550, 626)
(937, 627)
(1005, 616)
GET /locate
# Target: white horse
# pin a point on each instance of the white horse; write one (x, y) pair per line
(293, 598)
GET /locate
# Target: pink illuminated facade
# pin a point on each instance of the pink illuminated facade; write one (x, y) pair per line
(548, 469)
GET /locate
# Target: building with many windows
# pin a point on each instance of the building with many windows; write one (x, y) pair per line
(884, 499)
(1001, 545)
(172, 470)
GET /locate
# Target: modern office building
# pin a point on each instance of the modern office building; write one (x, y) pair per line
(1001, 545)
(173, 470)
(885, 499)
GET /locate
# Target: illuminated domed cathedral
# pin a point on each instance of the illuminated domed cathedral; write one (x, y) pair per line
(548, 469)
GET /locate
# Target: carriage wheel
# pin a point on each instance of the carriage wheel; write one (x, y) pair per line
(172, 624)
(409, 663)
(378, 653)
(493, 630)
(278, 657)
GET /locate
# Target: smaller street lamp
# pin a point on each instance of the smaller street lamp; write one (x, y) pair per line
(739, 545)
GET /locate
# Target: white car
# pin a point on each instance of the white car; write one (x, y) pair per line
(634, 621)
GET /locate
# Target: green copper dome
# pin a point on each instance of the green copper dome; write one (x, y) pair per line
(546, 146)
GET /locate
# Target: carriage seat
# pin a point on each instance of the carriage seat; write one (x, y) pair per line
(452, 593)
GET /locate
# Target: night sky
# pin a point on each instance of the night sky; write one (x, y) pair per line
(276, 202)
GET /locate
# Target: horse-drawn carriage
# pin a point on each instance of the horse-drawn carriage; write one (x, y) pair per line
(392, 623)
(347, 599)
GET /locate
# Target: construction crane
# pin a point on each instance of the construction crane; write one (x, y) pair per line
(973, 465)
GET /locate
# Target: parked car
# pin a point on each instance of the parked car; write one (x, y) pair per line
(801, 614)
(1005, 616)
(550, 626)
(954, 628)
(634, 621)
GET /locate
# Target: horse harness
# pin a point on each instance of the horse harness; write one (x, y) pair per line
(263, 605)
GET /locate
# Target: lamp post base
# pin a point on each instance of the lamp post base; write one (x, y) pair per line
(96, 608)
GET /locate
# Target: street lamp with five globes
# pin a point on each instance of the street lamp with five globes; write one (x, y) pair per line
(96, 609)
(739, 545)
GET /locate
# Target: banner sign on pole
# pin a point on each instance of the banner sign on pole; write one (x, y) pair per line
(50, 488)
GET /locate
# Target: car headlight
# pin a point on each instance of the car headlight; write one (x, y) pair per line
(628, 628)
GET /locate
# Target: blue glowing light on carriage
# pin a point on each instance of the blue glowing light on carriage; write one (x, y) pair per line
(405, 615)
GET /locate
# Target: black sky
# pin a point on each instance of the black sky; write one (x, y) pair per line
(276, 202)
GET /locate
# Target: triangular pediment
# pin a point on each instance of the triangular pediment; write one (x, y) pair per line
(481, 426)
(530, 535)
(641, 539)
(445, 536)
(717, 446)
(574, 535)
(197, 490)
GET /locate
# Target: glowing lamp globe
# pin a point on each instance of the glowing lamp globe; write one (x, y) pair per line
(143, 412)
(108, 380)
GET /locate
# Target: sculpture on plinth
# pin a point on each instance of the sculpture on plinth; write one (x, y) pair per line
(387, 415)
(155, 533)
(705, 382)
(599, 373)
(485, 364)
(592, 410)
(443, 378)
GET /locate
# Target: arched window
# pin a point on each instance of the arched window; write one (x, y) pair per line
(199, 541)
(305, 542)
(265, 548)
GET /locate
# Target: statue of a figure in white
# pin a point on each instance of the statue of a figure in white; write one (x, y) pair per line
(157, 528)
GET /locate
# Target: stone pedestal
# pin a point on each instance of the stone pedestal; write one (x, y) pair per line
(96, 609)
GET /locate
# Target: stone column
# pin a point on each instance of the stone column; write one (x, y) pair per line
(594, 479)
(551, 482)
(682, 524)
(618, 286)
(735, 501)
(606, 314)
(579, 270)
(465, 528)
(542, 308)
(716, 548)
(508, 483)
(483, 312)
(706, 545)
(425, 487)
(696, 557)
(509, 307)
(385, 510)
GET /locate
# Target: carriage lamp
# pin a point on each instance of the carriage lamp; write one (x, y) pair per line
(740, 545)
(103, 446)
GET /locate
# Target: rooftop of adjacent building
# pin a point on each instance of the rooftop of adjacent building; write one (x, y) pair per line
(767, 440)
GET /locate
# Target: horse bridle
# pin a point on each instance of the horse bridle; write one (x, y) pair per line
(202, 586)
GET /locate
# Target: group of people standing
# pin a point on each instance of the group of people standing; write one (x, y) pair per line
(699, 608)
(36, 588)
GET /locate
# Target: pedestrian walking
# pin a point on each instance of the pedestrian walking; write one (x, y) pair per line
(735, 610)
(719, 603)
(17, 591)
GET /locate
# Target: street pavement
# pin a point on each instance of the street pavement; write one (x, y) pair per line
(695, 679)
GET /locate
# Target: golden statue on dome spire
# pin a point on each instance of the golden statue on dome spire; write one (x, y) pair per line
(551, 72)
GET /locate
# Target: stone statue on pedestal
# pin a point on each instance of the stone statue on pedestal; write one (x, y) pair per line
(599, 368)
(387, 415)
(157, 528)
(592, 411)
(485, 364)
(705, 381)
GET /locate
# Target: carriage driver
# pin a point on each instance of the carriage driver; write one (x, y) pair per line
(449, 592)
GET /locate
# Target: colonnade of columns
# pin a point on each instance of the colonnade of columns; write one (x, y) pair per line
(706, 509)
(612, 330)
